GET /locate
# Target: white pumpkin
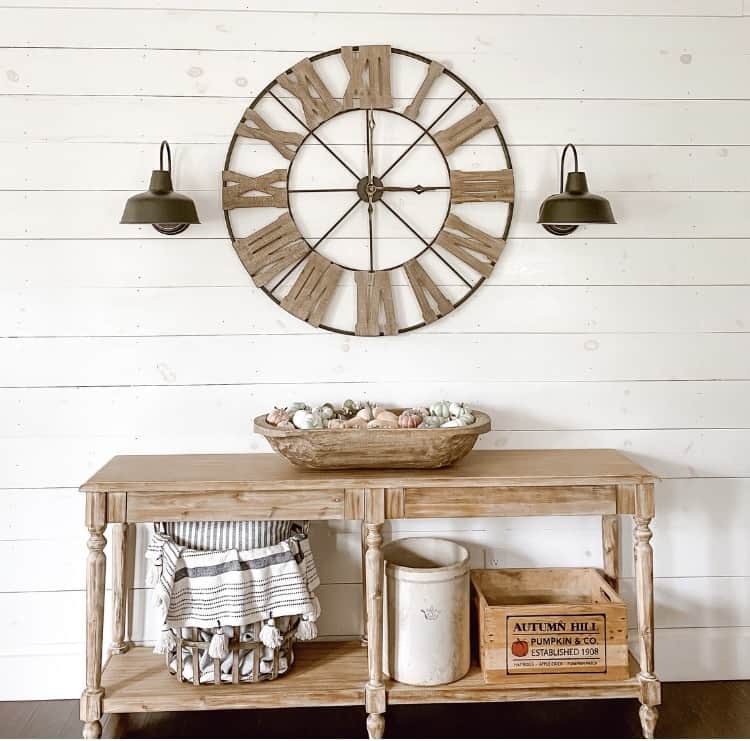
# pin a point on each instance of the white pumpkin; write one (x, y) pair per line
(453, 423)
(441, 409)
(304, 420)
(467, 418)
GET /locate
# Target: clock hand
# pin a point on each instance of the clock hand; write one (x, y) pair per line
(371, 189)
(416, 189)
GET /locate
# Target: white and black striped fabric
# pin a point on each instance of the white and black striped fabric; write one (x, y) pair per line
(235, 587)
(223, 536)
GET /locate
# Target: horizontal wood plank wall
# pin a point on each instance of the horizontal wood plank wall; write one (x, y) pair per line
(114, 339)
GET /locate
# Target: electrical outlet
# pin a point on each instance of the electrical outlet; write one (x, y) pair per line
(493, 559)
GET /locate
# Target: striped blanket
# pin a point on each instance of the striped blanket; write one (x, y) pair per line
(206, 589)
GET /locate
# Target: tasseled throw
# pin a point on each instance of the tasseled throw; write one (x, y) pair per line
(315, 612)
(307, 630)
(219, 646)
(270, 635)
(166, 642)
(152, 573)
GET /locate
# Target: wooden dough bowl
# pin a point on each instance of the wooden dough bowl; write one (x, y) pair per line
(407, 448)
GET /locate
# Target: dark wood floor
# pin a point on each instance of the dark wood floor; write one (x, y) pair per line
(690, 710)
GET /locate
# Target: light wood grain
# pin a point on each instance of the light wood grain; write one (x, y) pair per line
(254, 472)
(369, 70)
(481, 186)
(467, 128)
(237, 505)
(433, 72)
(91, 700)
(120, 587)
(377, 449)
(466, 242)
(271, 250)
(513, 595)
(309, 297)
(644, 577)
(305, 84)
(611, 548)
(483, 501)
(254, 126)
(261, 191)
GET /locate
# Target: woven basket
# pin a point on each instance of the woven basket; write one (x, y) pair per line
(237, 650)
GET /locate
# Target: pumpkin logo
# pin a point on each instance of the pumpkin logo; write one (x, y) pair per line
(431, 613)
(519, 648)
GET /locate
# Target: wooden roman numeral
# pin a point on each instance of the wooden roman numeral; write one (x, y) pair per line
(465, 239)
(469, 126)
(481, 186)
(271, 250)
(434, 71)
(285, 142)
(311, 293)
(243, 191)
(369, 76)
(423, 286)
(374, 293)
(305, 84)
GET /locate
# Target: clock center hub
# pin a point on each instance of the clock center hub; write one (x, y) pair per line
(366, 191)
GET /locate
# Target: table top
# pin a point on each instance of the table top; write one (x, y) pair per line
(266, 471)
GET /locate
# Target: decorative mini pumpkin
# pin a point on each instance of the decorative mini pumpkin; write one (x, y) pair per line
(382, 423)
(356, 423)
(387, 416)
(277, 416)
(295, 406)
(409, 418)
(467, 418)
(453, 423)
(441, 409)
(456, 409)
(325, 411)
(365, 413)
(304, 420)
(349, 408)
(286, 425)
(431, 421)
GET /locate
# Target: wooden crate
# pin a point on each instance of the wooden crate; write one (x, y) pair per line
(538, 625)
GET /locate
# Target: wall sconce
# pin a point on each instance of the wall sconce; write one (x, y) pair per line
(168, 212)
(560, 214)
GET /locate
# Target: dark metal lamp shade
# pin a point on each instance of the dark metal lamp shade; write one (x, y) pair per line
(560, 214)
(160, 206)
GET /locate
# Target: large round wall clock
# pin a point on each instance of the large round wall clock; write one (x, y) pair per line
(368, 190)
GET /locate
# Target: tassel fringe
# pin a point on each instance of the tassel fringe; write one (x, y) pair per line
(218, 648)
(270, 635)
(307, 630)
(166, 643)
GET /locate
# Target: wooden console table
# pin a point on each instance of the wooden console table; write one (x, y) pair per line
(132, 489)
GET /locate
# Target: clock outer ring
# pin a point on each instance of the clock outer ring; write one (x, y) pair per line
(458, 81)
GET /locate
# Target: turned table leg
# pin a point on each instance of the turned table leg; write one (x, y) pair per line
(119, 546)
(91, 700)
(644, 578)
(611, 549)
(375, 687)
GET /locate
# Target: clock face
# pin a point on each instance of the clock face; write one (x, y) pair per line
(368, 190)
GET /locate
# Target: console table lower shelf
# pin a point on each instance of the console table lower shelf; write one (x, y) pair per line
(324, 674)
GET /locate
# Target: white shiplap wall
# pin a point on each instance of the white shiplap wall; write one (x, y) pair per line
(115, 340)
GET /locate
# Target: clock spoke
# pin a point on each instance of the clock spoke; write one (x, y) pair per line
(315, 246)
(405, 223)
(321, 190)
(313, 134)
(422, 135)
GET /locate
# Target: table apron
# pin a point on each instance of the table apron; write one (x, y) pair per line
(512, 501)
(311, 504)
